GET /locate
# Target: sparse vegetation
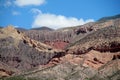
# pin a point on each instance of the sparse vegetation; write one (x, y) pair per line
(93, 53)
(101, 40)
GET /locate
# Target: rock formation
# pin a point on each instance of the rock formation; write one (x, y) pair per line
(21, 52)
(86, 52)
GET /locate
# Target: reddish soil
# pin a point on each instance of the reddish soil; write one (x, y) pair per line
(96, 59)
(57, 44)
(93, 59)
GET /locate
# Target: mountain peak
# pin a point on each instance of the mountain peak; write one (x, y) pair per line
(12, 32)
(10, 28)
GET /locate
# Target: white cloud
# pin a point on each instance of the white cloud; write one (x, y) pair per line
(15, 13)
(57, 21)
(29, 2)
(36, 11)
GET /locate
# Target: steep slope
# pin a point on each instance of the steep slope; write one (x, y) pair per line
(101, 62)
(69, 71)
(50, 37)
(21, 52)
(99, 50)
(105, 39)
(110, 71)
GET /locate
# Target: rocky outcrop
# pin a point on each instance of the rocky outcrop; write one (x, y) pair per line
(96, 59)
(53, 38)
(104, 40)
(110, 71)
(21, 52)
(6, 71)
(71, 71)
(49, 35)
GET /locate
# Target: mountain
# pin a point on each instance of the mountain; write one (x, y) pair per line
(109, 18)
(85, 52)
(91, 48)
(102, 40)
(66, 36)
(43, 28)
(23, 53)
(52, 38)
(21, 29)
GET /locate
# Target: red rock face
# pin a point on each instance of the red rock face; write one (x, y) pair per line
(93, 59)
(57, 44)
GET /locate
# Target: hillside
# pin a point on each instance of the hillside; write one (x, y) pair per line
(66, 36)
(102, 40)
(86, 52)
(23, 53)
(92, 53)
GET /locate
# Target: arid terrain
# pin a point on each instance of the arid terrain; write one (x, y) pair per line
(84, 52)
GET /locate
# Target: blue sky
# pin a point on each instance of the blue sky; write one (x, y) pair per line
(55, 13)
